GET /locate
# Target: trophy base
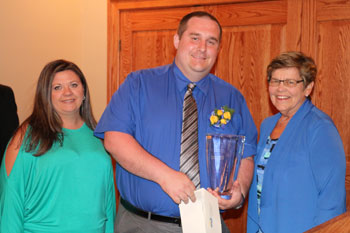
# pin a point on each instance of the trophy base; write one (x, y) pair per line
(227, 197)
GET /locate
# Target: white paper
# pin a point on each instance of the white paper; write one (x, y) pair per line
(201, 216)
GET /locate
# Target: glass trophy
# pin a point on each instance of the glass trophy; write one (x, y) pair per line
(223, 154)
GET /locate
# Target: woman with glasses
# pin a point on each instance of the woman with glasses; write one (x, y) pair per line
(299, 179)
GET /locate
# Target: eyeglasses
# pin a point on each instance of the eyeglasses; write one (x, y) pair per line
(287, 82)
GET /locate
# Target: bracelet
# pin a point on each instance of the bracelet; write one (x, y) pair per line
(241, 204)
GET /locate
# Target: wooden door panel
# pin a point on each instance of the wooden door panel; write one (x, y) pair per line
(155, 47)
(332, 87)
(331, 92)
(155, 28)
(243, 62)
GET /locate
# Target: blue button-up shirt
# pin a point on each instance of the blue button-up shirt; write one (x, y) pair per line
(148, 106)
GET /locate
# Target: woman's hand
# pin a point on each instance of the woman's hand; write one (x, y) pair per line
(236, 197)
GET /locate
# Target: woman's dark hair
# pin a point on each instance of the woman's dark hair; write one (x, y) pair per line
(183, 23)
(44, 124)
(306, 65)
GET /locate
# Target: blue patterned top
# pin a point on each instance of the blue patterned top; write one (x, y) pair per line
(270, 144)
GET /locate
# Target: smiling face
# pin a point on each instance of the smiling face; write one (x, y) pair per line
(288, 100)
(67, 94)
(198, 48)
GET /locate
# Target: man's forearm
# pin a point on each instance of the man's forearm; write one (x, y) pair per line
(245, 174)
(132, 157)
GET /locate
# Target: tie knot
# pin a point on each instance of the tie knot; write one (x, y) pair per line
(191, 86)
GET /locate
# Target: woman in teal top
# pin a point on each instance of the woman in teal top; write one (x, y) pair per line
(56, 176)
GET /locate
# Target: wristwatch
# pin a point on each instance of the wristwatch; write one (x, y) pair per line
(241, 204)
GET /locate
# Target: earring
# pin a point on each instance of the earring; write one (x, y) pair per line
(84, 97)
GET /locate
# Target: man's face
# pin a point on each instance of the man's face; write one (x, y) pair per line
(198, 48)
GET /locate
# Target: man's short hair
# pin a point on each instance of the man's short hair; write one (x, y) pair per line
(183, 23)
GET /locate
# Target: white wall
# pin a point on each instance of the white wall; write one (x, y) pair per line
(33, 33)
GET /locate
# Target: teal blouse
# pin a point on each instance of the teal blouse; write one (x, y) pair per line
(68, 189)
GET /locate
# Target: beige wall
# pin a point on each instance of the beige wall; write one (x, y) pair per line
(32, 33)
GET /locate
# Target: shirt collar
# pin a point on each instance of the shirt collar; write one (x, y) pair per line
(182, 81)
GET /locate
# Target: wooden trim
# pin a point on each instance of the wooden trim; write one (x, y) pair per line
(309, 28)
(294, 15)
(123, 5)
(339, 224)
(332, 10)
(113, 38)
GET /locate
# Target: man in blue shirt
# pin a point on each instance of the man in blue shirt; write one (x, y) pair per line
(142, 125)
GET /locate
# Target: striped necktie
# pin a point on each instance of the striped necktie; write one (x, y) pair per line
(189, 138)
